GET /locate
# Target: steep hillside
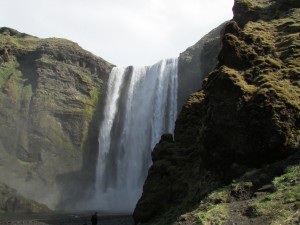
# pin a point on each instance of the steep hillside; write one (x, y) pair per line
(242, 129)
(49, 90)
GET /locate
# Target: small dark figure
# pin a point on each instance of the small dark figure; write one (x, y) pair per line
(94, 219)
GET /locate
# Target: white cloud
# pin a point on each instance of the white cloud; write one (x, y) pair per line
(138, 32)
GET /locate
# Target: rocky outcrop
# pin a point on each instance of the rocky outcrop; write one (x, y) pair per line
(246, 117)
(12, 202)
(49, 91)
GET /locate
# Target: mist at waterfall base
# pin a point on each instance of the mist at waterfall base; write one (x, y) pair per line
(141, 105)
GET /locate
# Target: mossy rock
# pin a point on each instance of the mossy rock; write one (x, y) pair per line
(12, 202)
(49, 91)
(245, 117)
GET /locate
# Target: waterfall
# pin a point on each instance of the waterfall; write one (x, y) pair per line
(141, 105)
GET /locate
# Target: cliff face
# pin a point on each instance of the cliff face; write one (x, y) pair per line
(51, 95)
(49, 90)
(241, 128)
(196, 62)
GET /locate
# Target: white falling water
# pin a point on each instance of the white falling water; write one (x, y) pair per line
(141, 105)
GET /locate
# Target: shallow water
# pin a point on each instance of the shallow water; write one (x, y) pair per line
(62, 219)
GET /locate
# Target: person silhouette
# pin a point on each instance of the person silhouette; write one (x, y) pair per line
(94, 219)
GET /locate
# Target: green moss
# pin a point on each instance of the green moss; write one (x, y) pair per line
(195, 98)
(30, 167)
(28, 43)
(262, 31)
(53, 131)
(47, 60)
(216, 214)
(281, 205)
(91, 105)
(26, 95)
(239, 81)
(241, 186)
(92, 101)
(11, 201)
(249, 5)
(54, 43)
(283, 88)
(219, 196)
(273, 63)
(83, 78)
(12, 84)
(6, 70)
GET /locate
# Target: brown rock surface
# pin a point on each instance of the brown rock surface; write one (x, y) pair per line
(49, 91)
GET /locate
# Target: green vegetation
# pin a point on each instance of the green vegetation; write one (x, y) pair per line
(49, 90)
(18, 43)
(7, 70)
(282, 205)
(82, 79)
(215, 214)
(246, 116)
(277, 207)
(11, 201)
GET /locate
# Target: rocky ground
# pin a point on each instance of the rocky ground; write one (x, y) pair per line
(71, 220)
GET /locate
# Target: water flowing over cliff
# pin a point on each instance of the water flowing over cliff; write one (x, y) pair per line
(141, 105)
(58, 91)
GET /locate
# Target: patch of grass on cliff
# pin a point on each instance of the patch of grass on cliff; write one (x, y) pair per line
(89, 111)
(92, 99)
(279, 207)
(282, 205)
(250, 5)
(6, 70)
(53, 130)
(53, 43)
(84, 78)
(12, 84)
(27, 43)
(216, 214)
(268, 62)
(283, 88)
(95, 94)
(238, 80)
(263, 31)
(30, 167)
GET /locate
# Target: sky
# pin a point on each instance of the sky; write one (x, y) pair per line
(123, 32)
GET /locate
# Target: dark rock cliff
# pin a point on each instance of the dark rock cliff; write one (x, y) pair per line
(196, 62)
(243, 124)
(49, 91)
